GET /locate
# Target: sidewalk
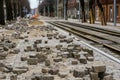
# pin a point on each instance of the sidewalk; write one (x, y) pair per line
(109, 26)
(97, 22)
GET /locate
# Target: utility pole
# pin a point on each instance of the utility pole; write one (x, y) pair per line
(64, 9)
(115, 14)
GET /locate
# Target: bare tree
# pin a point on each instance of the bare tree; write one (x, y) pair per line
(2, 19)
(47, 6)
(9, 9)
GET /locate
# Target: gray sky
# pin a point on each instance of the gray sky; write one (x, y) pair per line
(34, 3)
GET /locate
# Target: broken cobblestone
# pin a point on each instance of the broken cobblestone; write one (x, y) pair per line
(50, 53)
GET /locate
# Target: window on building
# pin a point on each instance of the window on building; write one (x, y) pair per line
(117, 9)
(111, 13)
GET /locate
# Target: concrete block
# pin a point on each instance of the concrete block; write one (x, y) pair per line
(83, 60)
(79, 48)
(48, 77)
(24, 57)
(2, 76)
(11, 51)
(33, 55)
(62, 74)
(74, 62)
(32, 61)
(98, 66)
(54, 71)
(5, 48)
(79, 73)
(70, 48)
(47, 62)
(65, 54)
(22, 37)
(28, 48)
(37, 41)
(57, 59)
(108, 77)
(69, 40)
(50, 37)
(44, 70)
(38, 49)
(37, 77)
(13, 77)
(59, 54)
(62, 36)
(90, 58)
(6, 70)
(58, 47)
(62, 40)
(35, 46)
(16, 51)
(94, 76)
(20, 70)
(76, 55)
(41, 57)
(3, 55)
(90, 51)
(12, 45)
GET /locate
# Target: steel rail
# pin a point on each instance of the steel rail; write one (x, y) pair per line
(92, 38)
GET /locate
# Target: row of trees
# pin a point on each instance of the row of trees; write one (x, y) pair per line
(10, 9)
(51, 4)
(47, 7)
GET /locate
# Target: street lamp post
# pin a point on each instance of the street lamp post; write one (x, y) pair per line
(64, 9)
(115, 14)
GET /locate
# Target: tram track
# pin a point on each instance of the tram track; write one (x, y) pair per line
(111, 32)
(107, 40)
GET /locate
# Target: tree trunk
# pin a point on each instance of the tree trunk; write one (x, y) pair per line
(91, 11)
(19, 8)
(15, 10)
(2, 19)
(9, 10)
(83, 10)
(103, 20)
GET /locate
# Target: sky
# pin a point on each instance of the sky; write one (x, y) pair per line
(34, 3)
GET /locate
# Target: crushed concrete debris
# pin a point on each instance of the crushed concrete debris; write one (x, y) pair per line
(47, 53)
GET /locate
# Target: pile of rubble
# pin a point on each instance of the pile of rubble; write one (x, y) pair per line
(52, 56)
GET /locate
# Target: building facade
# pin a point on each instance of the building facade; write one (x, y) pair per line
(108, 6)
(60, 9)
(73, 7)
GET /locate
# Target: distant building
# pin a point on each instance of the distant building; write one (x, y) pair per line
(60, 9)
(72, 8)
(108, 6)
